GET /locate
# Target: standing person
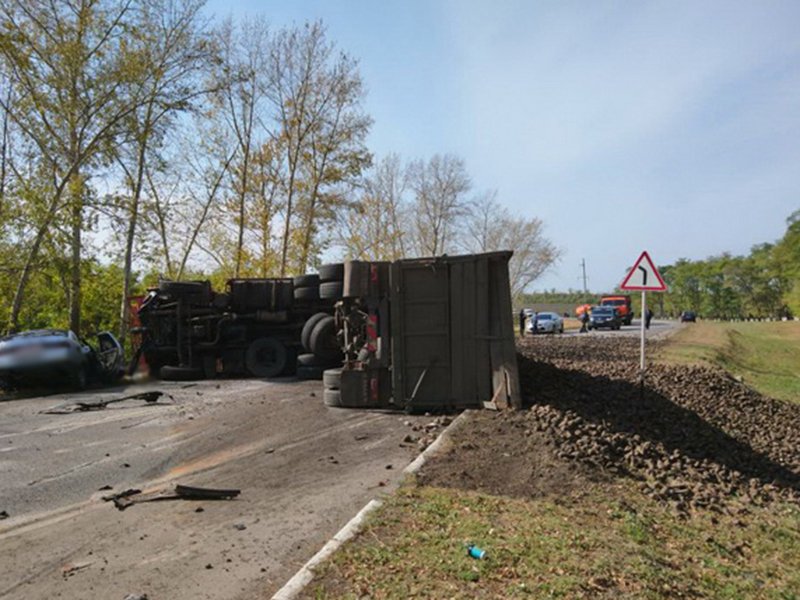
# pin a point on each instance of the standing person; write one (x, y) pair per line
(521, 322)
(535, 322)
(647, 318)
(584, 321)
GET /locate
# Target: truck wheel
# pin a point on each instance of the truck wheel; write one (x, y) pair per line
(265, 357)
(323, 341)
(306, 293)
(332, 398)
(309, 372)
(331, 290)
(308, 327)
(331, 272)
(306, 281)
(170, 373)
(332, 379)
(308, 360)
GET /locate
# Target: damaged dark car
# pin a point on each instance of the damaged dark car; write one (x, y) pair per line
(58, 358)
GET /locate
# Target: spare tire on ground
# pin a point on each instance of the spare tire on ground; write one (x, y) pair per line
(331, 272)
(332, 397)
(331, 290)
(323, 340)
(266, 357)
(170, 373)
(308, 327)
(332, 379)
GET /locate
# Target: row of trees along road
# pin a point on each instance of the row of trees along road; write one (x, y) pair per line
(141, 140)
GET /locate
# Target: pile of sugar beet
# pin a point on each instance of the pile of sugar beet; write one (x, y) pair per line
(692, 437)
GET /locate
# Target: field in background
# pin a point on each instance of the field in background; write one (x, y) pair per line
(765, 354)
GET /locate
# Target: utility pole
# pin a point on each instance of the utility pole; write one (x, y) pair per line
(583, 267)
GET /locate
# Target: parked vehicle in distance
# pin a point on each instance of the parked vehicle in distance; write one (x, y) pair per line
(688, 316)
(604, 316)
(623, 305)
(58, 357)
(546, 322)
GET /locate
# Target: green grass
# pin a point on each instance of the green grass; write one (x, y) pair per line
(764, 354)
(610, 542)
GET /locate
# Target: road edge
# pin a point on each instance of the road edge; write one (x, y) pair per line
(292, 588)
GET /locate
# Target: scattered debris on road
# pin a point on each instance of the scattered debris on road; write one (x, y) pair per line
(150, 398)
(71, 568)
(4, 514)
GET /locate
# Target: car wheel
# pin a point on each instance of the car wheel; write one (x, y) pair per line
(266, 357)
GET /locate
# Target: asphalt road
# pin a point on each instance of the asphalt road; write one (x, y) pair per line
(303, 469)
(658, 328)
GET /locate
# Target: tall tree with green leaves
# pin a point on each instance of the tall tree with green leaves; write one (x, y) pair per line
(77, 79)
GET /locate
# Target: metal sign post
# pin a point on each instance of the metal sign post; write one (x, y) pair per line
(644, 316)
(643, 277)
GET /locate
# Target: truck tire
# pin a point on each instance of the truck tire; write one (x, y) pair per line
(331, 272)
(306, 281)
(170, 373)
(306, 293)
(266, 357)
(308, 327)
(308, 360)
(323, 340)
(331, 290)
(332, 398)
(310, 372)
(332, 379)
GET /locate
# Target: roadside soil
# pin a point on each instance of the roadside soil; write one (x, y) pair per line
(691, 437)
(303, 470)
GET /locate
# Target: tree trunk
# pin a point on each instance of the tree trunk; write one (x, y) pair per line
(130, 236)
(76, 200)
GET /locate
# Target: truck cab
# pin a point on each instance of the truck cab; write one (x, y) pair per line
(623, 305)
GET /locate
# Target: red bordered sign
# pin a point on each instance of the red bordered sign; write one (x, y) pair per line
(644, 276)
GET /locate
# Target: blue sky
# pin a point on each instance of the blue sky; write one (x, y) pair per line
(667, 126)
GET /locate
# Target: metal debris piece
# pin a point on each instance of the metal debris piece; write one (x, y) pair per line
(125, 499)
(197, 493)
(150, 398)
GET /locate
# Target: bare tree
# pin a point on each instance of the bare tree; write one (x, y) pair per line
(439, 186)
(490, 227)
(170, 40)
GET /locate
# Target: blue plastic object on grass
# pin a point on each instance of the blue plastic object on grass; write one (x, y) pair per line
(475, 552)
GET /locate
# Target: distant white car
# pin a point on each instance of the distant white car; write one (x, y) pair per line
(545, 322)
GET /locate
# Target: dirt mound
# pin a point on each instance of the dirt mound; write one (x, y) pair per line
(692, 437)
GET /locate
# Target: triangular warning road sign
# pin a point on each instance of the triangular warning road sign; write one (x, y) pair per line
(644, 276)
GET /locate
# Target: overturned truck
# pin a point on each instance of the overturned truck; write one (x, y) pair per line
(257, 327)
(426, 334)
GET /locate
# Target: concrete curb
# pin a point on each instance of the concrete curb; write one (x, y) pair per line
(305, 575)
(418, 462)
